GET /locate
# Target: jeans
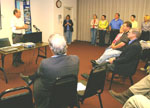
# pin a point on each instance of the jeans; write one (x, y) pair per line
(68, 35)
(109, 52)
(93, 36)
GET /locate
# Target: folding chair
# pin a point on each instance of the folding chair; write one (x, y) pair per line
(128, 74)
(94, 85)
(20, 100)
(64, 92)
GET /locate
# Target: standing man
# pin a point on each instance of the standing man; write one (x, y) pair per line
(68, 29)
(114, 27)
(18, 29)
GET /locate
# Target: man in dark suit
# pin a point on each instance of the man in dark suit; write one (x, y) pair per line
(126, 63)
(56, 66)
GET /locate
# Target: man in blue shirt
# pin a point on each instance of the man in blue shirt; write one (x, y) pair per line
(114, 26)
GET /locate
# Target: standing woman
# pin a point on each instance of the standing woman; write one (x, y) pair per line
(103, 24)
(68, 29)
(145, 27)
(94, 26)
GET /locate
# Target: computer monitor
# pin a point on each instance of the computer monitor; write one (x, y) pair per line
(4, 42)
(35, 37)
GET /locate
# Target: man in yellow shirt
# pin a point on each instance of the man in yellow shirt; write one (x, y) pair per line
(103, 24)
(134, 23)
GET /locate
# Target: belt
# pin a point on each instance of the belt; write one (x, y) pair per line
(17, 33)
(114, 29)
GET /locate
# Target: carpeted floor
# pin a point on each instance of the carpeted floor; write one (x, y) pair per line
(86, 52)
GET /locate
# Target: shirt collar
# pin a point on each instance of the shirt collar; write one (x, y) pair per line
(131, 41)
(57, 55)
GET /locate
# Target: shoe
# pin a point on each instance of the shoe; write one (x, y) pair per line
(15, 64)
(148, 69)
(94, 63)
(27, 80)
(20, 62)
(121, 97)
(143, 69)
(85, 75)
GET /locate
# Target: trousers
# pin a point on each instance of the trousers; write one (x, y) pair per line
(137, 101)
(16, 39)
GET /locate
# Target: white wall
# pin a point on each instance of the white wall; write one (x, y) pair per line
(58, 26)
(44, 15)
(7, 7)
(42, 12)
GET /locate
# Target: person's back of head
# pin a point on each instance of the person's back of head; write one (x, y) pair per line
(57, 44)
(128, 23)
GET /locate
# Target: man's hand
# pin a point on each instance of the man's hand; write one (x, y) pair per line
(25, 26)
(111, 60)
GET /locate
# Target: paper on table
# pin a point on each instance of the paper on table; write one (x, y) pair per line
(80, 87)
(17, 44)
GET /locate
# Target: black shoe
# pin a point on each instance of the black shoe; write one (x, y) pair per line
(27, 80)
(85, 75)
(21, 62)
(121, 97)
(15, 64)
(94, 63)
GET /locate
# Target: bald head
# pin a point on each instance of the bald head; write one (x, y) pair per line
(57, 44)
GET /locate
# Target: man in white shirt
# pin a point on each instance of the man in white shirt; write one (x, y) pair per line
(18, 29)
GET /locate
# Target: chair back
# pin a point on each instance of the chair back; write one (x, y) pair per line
(64, 92)
(4, 42)
(20, 100)
(96, 81)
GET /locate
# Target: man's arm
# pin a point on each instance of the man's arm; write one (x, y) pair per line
(132, 52)
(121, 44)
(23, 27)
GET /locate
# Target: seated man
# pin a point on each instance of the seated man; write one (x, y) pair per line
(137, 96)
(117, 45)
(126, 63)
(56, 66)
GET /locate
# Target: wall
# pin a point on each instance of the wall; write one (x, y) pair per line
(86, 9)
(58, 28)
(7, 7)
(44, 15)
(42, 12)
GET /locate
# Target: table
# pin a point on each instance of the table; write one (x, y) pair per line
(21, 49)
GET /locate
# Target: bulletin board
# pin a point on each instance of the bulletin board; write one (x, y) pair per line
(24, 7)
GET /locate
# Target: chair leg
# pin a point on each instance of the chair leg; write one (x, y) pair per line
(111, 81)
(130, 77)
(100, 100)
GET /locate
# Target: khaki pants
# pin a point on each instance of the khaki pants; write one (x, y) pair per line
(142, 87)
(137, 101)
